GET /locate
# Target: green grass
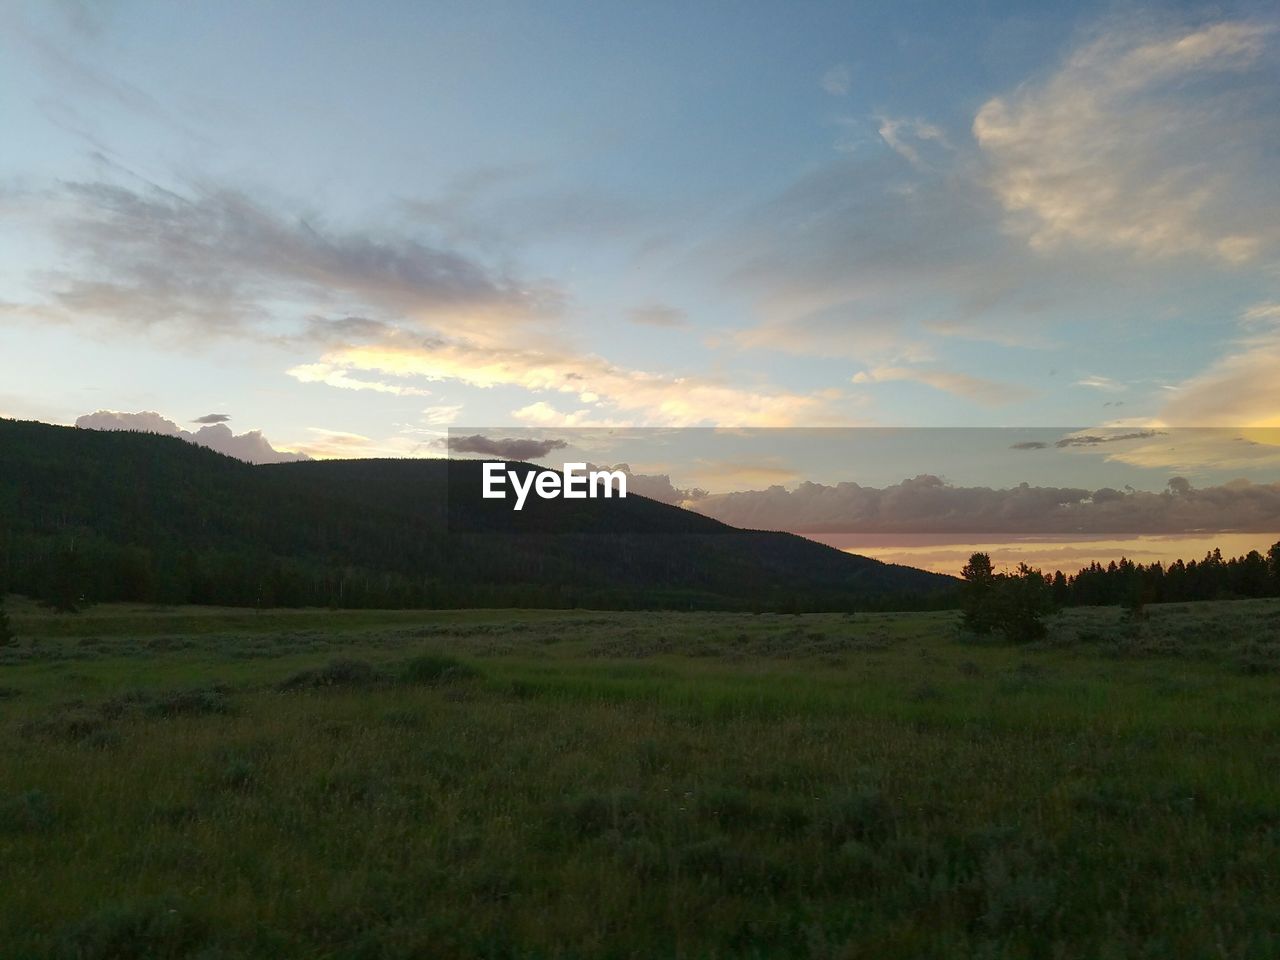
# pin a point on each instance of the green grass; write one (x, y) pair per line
(362, 784)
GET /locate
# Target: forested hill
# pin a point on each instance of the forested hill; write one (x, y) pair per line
(96, 516)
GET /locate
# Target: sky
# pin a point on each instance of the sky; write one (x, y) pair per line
(346, 228)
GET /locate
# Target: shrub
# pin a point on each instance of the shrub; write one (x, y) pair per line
(433, 669)
(177, 703)
(341, 672)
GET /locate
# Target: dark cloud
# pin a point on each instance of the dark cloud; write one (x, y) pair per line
(212, 418)
(1093, 440)
(1087, 440)
(509, 448)
(927, 504)
(216, 260)
(251, 447)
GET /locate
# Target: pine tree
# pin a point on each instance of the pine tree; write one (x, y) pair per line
(978, 593)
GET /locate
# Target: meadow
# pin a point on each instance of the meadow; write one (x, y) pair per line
(213, 783)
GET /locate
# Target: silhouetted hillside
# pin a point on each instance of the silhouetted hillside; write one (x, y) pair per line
(130, 516)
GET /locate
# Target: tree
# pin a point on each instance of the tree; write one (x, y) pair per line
(1021, 601)
(977, 594)
(1061, 589)
(1273, 565)
(6, 631)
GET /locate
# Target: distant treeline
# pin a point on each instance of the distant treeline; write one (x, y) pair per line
(78, 569)
(1129, 583)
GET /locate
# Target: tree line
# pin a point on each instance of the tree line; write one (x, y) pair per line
(1129, 583)
(1014, 604)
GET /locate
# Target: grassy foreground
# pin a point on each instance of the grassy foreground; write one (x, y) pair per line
(219, 784)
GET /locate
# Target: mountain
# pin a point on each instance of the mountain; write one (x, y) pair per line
(134, 516)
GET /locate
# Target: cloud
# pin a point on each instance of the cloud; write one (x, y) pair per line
(1151, 142)
(737, 474)
(251, 447)
(441, 414)
(327, 374)
(655, 486)
(389, 307)
(865, 260)
(542, 414)
(1086, 440)
(905, 137)
(611, 391)
(987, 392)
(1156, 144)
(1241, 389)
(927, 504)
(1101, 383)
(659, 315)
(212, 418)
(327, 444)
(509, 448)
(1093, 439)
(838, 80)
(213, 260)
(1261, 314)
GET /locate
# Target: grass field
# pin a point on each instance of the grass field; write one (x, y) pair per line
(501, 784)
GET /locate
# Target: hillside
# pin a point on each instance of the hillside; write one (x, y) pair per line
(131, 516)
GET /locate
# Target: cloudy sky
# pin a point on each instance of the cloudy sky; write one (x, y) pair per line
(348, 227)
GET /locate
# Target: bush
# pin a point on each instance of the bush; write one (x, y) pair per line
(1013, 605)
(1021, 601)
(434, 669)
(177, 703)
(341, 672)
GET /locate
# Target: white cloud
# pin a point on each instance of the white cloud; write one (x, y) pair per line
(1261, 314)
(251, 446)
(905, 136)
(1152, 144)
(327, 374)
(1106, 384)
(622, 393)
(988, 392)
(1240, 390)
(441, 415)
